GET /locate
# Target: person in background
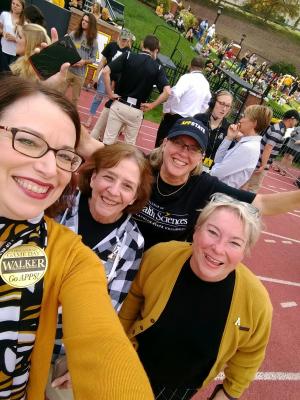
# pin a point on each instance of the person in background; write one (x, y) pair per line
(195, 310)
(235, 165)
(85, 40)
(29, 37)
(105, 16)
(40, 145)
(189, 96)
(96, 11)
(33, 15)
(138, 74)
(215, 120)
(114, 184)
(159, 11)
(110, 52)
(9, 21)
(270, 146)
(290, 151)
(202, 28)
(211, 31)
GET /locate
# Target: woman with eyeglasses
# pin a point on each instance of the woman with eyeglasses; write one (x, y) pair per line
(181, 190)
(44, 264)
(215, 120)
(195, 310)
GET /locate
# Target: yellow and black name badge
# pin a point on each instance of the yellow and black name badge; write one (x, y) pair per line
(23, 266)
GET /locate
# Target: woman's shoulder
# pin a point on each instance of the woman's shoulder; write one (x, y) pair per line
(60, 233)
(132, 229)
(251, 285)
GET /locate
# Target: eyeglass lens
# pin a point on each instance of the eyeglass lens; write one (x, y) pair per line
(33, 146)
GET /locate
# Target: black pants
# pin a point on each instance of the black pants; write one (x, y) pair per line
(162, 392)
(166, 124)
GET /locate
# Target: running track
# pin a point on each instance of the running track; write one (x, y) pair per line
(276, 260)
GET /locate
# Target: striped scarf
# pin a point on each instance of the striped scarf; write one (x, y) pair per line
(19, 310)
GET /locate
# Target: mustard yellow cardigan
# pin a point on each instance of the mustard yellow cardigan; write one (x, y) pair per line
(102, 362)
(241, 351)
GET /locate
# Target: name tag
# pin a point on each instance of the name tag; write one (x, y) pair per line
(131, 100)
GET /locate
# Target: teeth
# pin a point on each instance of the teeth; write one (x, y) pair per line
(179, 162)
(109, 202)
(32, 187)
(213, 260)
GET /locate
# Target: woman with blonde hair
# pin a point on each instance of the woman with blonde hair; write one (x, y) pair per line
(29, 37)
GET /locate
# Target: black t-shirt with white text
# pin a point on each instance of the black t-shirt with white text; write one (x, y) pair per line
(173, 217)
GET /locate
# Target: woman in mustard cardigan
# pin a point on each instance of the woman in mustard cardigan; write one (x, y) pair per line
(43, 263)
(194, 310)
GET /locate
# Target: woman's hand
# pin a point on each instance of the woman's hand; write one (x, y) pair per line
(87, 144)
(9, 37)
(63, 382)
(233, 132)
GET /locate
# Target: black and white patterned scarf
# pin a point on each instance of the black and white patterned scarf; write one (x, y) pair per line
(19, 310)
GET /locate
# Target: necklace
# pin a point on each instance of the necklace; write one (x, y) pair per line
(170, 194)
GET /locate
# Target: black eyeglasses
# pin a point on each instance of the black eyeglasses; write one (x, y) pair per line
(31, 145)
(191, 148)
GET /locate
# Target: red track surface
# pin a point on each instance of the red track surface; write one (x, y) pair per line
(276, 256)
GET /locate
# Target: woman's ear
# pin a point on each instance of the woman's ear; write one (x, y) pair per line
(92, 181)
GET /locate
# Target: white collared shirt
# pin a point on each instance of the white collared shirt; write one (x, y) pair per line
(189, 96)
(235, 166)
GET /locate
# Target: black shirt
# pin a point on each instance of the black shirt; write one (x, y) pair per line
(93, 232)
(182, 346)
(173, 217)
(216, 135)
(111, 52)
(139, 73)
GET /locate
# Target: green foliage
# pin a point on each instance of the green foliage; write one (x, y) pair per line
(273, 9)
(283, 68)
(189, 19)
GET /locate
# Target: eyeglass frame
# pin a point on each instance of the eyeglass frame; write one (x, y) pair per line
(225, 198)
(222, 104)
(14, 132)
(187, 146)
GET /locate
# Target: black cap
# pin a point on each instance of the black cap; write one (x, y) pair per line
(291, 114)
(190, 127)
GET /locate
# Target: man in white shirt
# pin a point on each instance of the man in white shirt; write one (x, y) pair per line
(188, 97)
(235, 165)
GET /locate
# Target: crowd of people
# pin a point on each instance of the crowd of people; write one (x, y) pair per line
(152, 300)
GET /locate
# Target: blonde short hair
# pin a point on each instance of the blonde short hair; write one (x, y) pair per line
(247, 213)
(261, 114)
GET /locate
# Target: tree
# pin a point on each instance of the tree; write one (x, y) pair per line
(283, 68)
(267, 8)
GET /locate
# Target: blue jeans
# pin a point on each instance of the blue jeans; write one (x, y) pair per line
(98, 96)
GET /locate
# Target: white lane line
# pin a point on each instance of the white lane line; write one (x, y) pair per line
(270, 376)
(282, 188)
(289, 304)
(281, 237)
(297, 211)
(269, 241)
(294, 215)
(286, 242)
(289, 283)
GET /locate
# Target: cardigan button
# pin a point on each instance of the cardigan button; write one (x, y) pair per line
(152, 320)
(141, 327)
